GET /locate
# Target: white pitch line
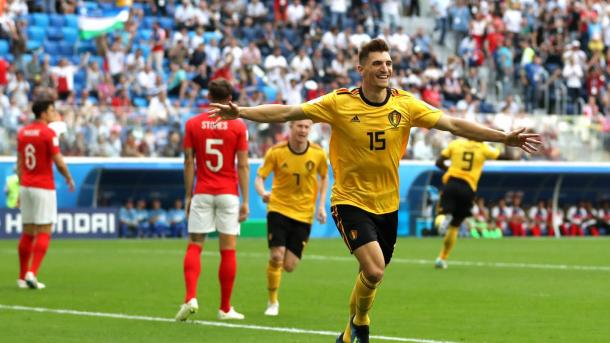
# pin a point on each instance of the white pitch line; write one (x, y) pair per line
(205, 323)
(395, 260)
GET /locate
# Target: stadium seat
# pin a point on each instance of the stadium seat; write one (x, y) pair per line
(51, 48)
(166, 23)
(85, 46)
(270, 93)
(36, 33)
(71, 20)
(57, 20)
(74, 59)
(209, 35)
(147, 23)
(145, 35)
(4, 47)
(33, 44)
(54, 33)
(70, 34)
(91, 6)
(66, 49)
(40, 19)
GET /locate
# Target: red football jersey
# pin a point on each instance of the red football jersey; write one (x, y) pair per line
(36, 144)
(215, 146)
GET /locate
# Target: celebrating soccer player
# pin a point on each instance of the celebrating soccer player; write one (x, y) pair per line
(296, 165)
(370, 130)
(461, 178)
(213, 148)
(37, 150)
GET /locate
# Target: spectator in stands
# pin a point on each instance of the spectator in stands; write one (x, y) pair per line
(173, 148)
(145, 81)
(177, 219)
(158, 46)
(64, 76)
(256, 10)
(185, 15)
(130, 147)
(19, 89)
(128, 220)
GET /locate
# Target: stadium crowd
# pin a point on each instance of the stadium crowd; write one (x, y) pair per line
(128, 93)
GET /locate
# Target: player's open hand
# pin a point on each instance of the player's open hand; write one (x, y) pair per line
(321, 216)
(224, 111)
(529, 142)
(244, 211)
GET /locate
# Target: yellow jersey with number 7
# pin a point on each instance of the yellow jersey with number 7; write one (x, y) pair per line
(367, 141)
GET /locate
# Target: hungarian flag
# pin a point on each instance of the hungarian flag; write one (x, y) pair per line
(91, 27)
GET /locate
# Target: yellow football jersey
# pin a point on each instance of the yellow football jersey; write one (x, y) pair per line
(295, 179)
(467, 159)
(367, 142)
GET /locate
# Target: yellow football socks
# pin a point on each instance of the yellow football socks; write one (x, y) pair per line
(449, 242)
(274, 276)
(363, 295)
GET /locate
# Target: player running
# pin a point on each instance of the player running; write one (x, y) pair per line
(296, 165)
(461, 178)
(370, 131)
(213, 148)
(37, 150)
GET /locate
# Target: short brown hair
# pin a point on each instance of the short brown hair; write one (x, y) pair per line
(375, 45)
(219, 90)
(41, 106)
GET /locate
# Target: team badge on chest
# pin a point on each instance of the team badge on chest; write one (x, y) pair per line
(394, 117)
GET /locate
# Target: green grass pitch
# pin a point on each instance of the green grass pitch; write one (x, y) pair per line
(510, 290)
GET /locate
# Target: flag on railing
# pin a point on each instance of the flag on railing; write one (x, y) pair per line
(91, 27)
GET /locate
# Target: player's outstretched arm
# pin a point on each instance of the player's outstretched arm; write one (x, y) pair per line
(529, 142)
(270, 113)
(63, 169)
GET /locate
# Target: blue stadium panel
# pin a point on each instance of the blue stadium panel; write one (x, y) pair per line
(54, 33)
(51, 48)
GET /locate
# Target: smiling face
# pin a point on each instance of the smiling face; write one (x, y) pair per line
(376, 70)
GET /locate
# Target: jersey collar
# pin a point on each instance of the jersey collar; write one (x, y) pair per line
(298, 153)
(376, 104)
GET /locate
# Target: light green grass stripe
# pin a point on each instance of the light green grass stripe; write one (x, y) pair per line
(203, 322)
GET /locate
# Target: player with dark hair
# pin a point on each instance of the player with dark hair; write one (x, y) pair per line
(296, 165)
(461, 178)
(37, 150)
(214, 206)
(370, 131)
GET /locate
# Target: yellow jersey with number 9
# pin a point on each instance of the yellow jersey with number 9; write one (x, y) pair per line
(295, 179)
(367, 142)
(467, 159)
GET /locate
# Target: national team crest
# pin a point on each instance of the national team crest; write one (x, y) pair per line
(394, 117)
(309, 165)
